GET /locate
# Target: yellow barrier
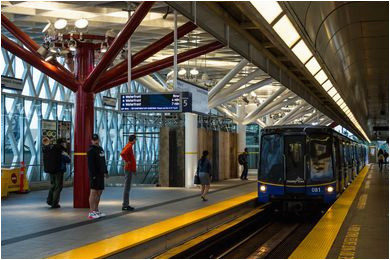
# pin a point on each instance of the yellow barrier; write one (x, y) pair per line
(10, 181)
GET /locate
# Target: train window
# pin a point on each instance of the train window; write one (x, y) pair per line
(271, 159)
(320, 158)
(294, 151)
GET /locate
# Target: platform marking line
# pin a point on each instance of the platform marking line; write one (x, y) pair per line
(191, 243)
(319, 241)
(362, 201)
(367, 185)
(110, 246)
(348, 248)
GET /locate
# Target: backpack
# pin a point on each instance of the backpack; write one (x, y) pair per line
(241, 159)
(52, 156)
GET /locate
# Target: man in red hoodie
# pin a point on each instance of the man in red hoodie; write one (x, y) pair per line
(130, 169)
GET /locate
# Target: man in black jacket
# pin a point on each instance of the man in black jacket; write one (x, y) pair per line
(97, 170)
(55, 159)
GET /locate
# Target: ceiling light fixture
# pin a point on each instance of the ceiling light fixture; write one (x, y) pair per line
(313, 66)
(327, 85)
(49, 57)
(302, 51)
(268, 9)
(321, 77)
(48, 25)
(103, 47)
(285, 29)
(60, 24)
(81, 23)
(194, 72)
(182, 72)
(52, 47)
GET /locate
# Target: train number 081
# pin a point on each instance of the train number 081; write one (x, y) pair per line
(316, 189)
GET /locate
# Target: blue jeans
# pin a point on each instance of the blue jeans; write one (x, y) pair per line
(126, 189)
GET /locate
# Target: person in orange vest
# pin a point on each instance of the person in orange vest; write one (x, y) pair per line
(127, 155)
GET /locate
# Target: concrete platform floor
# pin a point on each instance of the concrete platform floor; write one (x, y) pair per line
(365, 231)
(30, 229)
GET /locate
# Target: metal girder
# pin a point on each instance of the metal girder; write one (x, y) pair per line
(216, 102)
(289, 115)
(216, 21)
(164, 63)
(270, 99)
(151, 84)
(214, 90)
(46, 67)
(117, 45)
(240, 83)
(261, 123)
(228, 113)
(145, 53)
(272, 109)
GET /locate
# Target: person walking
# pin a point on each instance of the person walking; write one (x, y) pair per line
(243, 160)
(97, 170)
(130, 166)
(55, 159)
(381, 158)
(204, 173)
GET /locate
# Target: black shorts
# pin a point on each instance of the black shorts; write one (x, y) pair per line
(96, 182)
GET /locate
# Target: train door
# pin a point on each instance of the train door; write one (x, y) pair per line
(337, 166)
(294, 151)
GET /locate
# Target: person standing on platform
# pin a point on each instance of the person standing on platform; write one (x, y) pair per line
(130, 166)
(381, 158)
(54, 160)
(243, 160)
(97, 170)
(204, 172)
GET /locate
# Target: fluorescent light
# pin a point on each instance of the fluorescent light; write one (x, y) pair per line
(332, 92)
(336, 97)
(312, 66)
(60, 24)
(321, 77)
(46, 27)
(81, 23)
(268, 9)
(302, 51)
(286, 31)
(343, 106)
(327, 85)
(340, 102)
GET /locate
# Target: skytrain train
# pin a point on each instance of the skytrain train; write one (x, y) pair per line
(302, 163)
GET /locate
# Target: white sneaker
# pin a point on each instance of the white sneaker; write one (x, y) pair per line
(101, 214)
(93, 215)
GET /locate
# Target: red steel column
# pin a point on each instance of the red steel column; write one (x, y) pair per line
(84, 120)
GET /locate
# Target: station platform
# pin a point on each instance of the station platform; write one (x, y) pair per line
(357, 224)
(30, 229)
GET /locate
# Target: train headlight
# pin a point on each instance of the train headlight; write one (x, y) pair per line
(262, 188)
(330, 189)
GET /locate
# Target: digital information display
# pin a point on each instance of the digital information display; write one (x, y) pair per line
(151, 102)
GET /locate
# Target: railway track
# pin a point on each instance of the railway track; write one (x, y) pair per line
(262, 236)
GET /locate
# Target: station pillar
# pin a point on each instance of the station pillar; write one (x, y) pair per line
(191, 148)
(84, 125)
(241, 133)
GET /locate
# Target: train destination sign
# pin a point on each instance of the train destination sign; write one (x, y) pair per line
(151, 102)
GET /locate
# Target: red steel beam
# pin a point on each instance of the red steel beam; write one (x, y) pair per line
(163, 64)
(118, 44)
(145, 53)
(44, 66)
(28, 42)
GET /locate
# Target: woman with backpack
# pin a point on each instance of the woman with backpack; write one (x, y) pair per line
(204, 173)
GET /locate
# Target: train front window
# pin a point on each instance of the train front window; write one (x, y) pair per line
(320, 158)
(271, 159)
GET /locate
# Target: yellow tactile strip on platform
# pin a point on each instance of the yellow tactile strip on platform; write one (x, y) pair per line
(319, 241)
(110, 246)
